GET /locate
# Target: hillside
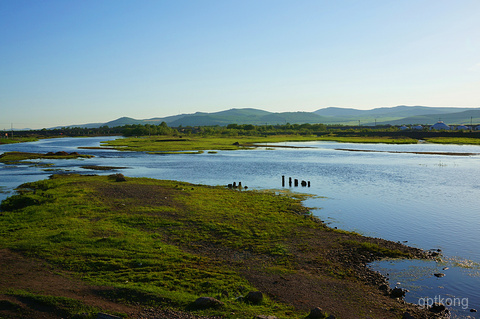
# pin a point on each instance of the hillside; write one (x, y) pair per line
(397, 115)
(465, 117)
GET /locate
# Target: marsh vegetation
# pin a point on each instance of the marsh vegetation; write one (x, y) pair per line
(145, 243)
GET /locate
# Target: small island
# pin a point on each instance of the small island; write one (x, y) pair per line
(23, 157)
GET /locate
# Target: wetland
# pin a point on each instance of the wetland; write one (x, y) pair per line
(385, 195)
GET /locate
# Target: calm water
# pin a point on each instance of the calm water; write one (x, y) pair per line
(431, 201)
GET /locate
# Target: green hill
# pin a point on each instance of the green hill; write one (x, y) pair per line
(332, 115)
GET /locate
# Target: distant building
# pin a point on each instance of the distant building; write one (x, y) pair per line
(417, 127)
(439, 126)
(477, 128)
(403, 127)
(462, 127)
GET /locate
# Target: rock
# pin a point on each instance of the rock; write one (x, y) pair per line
(120, 178)
(316, 313)
(206, 302)
(407, 315)
(397, 292)
(264, 317)
(102, 315)
(384, 287)
(437, 307)
(473, 310)
(254, 297)
(439, 275)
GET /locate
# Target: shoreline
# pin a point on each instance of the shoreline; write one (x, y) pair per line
(286, 268)
(402, 152)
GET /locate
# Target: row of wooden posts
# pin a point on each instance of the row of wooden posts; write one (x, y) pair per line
(234, 185)
(295, 182)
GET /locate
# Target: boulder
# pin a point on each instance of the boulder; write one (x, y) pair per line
(407, 315)
(207, 302)
(120, 178)
(384, 287)
(438, 307)
(254, 297)
(316, 313)
(397, 292)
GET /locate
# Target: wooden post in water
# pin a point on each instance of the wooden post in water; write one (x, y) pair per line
(290, 181)
(283, 180)
(296, 182)
(308, 183)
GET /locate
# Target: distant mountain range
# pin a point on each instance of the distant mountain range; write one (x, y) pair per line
(398, 115)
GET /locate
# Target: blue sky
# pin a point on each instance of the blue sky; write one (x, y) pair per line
(81, 61)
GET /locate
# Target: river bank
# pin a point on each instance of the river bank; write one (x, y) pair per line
(149, 244)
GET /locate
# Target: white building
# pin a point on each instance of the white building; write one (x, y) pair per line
(440, 126)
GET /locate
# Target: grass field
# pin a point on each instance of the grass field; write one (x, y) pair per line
(17, 140)
(166, 243)
(164, 144)
(454, 140)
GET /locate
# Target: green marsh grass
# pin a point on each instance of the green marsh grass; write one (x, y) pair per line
(454, 140)
(166, 243)
(150, 249)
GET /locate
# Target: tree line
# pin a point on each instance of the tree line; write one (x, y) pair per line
(238, 130)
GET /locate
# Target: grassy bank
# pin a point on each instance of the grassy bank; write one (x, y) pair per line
(453, 140)
(154, 244)
(196, 143)
(17, 140)
(17, 157)
(369, 139)
(159, 144)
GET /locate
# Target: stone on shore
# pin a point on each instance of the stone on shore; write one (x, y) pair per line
(207, 302)
(254, 297)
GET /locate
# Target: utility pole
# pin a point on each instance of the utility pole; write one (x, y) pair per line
(11, 124)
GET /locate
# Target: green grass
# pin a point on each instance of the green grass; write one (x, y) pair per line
(16, 157)
(68, 307)
(369, 139)
(453, 140)
(168, 145)
(375, 249)
(66, 222)
(159, 144)
(17, 140)
(166, 243)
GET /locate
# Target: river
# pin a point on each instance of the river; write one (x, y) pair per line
(427, 201)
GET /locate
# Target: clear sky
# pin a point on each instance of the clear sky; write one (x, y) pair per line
(65, 62)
